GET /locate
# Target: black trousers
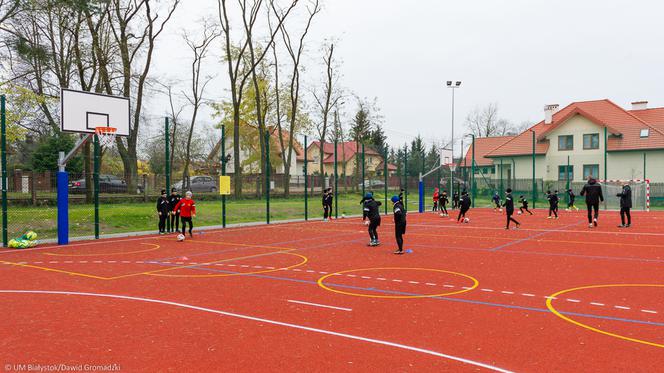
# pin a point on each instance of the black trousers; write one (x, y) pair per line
(554, 210)
(435, 206)
(570, 203)
(373, 229)
(462, 214)
(624, 212)
(184, 224)
(175, 223)
(399, 231)
(327, 211)
(443, 208)
(162, 222)
(510, 218)
(592, 207)
(526, 209)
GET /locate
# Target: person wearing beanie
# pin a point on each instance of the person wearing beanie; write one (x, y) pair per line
(163, 210)
(373, 214)
(363, 202)
(328, 197)
(464, 206)
(399, 223)
(524, 205)
(625, 206)
(187, 208)
(173, 200)
(496, 201)
(572, 197)
(509, 209)
(553, 204)
(593, 193)
(442, 203)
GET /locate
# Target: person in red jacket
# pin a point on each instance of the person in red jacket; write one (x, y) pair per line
(187, 208)
(436, 196)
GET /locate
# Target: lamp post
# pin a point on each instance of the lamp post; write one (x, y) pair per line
(534, 181)
(472, 171)
(456, 84)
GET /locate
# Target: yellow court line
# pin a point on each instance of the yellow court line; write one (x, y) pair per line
(303, 262)
(56, 270)
(322, 285)
(549, 305)
(192, 265)
(110, 254)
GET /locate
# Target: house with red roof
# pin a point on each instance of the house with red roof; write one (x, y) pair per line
(596, 138)
(347, 158)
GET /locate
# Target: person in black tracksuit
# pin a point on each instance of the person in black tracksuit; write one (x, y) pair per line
(399, 223)
(328, 197)
(524, 205)
(553, 203)
(509, 209)
(572, 197)
(371, 208)
(163, 209)
(455, 200)
(593, 193)
(443, 200)
(173, 200)
(625, 206)
(363, 201)
(464, 206)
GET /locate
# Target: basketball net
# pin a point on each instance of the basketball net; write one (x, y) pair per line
(105, 135)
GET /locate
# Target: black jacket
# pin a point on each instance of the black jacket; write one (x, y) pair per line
(571, 195)
(327, 199)
(509, 203)
(593, 192)
(524, 203)
(163, 206)
(173, 200)
(553, 199)
(443, 199)
(399, 214)
(625, 197)
(465, 202)
(371, 209)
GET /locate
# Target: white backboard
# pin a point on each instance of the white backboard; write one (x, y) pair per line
(82, 111)
(446, 156)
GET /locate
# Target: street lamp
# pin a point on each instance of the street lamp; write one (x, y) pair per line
(472, 171)
(456, 84)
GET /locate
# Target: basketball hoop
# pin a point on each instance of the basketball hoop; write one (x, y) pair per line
(105, 135)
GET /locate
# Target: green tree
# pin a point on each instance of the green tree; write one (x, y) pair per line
(45, 156)
(378, 139)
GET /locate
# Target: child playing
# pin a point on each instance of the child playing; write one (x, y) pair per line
(496, 202)
(524, 205)
(373, 214)
(464, 206)
(163, 209)
(173, 200)
(572, 197)
(509, 209)
(625, 206)
(436, 195)
(363, 202)
(442, 203)
(553, 203)
(399, 223)
(593, 193)
(327, 204)
(455, 200)
(187, 208)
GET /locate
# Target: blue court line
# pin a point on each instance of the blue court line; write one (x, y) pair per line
(531, 237)
(392, 292)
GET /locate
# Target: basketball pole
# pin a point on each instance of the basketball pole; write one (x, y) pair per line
(267, 177)
(97, 155)
(306, 203)
(223, 173)
(3, 140)
(167, 167)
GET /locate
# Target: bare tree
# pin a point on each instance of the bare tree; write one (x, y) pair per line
(238, 74)
(326, 100)
(485, 122)
(200, 51)
(8, 9)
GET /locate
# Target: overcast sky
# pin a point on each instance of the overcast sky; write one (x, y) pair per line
(521, 54)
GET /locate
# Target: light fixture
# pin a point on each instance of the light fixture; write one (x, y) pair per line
(458, 83)
(449, 83)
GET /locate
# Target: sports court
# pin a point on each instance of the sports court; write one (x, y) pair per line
(311, 296)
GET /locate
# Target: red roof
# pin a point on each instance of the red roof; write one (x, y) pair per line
(390, 166)
(297, 147)
(484, 145)
(345, 150)
(625, 126)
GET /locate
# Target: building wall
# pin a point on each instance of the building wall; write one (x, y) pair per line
(629, 165)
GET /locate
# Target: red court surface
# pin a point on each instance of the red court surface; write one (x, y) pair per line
(311, 296)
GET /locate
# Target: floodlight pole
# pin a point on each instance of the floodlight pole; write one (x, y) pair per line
(223, 173)
(306, 203)
(453, 87)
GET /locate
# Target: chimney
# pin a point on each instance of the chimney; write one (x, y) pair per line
(549, 110)
(639, 105)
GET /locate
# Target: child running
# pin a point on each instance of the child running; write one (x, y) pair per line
(327, 204)
(553, 204)
(443, 200)
(163, 209)
(363, 202)
(625, 206)
(464, 206)
(593, 193)
(496, 202)
(572, 197)
(373, 214)
(524, 205)
(187, 208)
(399, 223)
(436, 195)
(509, 209)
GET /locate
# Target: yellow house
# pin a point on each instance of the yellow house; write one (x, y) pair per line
(347, 158)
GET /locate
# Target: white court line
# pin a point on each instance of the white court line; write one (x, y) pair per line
(596, 304)
(648, 311)
(573, 300)
(320, 305)
(273, 322)
(622, 307)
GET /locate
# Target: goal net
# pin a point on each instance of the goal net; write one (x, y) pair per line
(640, 193)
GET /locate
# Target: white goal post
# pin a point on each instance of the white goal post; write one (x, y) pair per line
(640, 193)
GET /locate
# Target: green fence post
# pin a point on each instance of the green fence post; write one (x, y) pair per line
(167, 167)
(306, 203)
(606, 148)
(3, 140)
(385, 177)
(534, 181)
(473, 187)
(567, 178)
(336, 181)
(267, 177)
(95, 175)
(223, 173)
(502, 189)
(405, 174)
(364, 188)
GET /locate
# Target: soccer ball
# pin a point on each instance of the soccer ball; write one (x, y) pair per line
(31, 236)
(501, 210)
(466, 220)
(343, 216)
(180, 237)
(519, 213)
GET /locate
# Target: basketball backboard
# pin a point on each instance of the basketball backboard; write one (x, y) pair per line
(82, 112)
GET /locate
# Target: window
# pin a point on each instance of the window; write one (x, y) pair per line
(591, 141)
(561, 173)
(590, 170)
(645, 132)
(566, 142)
